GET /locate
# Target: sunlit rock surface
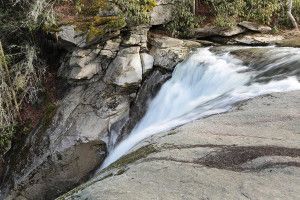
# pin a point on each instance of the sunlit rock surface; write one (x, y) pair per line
(252, 152)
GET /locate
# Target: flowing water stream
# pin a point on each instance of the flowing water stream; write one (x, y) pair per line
(208, 83)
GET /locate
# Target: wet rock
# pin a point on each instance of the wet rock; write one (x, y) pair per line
(168, 52)
(126, 69)
(210, 31)
(147, 91)
(67, 146)
(255, 27)
(252, 152)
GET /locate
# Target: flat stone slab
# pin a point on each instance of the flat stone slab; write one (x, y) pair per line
(252, 152)
(210, 31)
(255, 27)
(259, 39)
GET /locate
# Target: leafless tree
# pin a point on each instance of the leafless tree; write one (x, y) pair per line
(290, 15)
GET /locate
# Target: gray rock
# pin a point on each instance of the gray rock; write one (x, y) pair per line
(83, 64)
(147, 91)
(64, 150)
(137, 36)
(147, 62)
(250, 153)
(210, 31)
(168, 52)
(70, 38)
(258, 39)
(255, 27)
(162, 13)
(126, 69)
(111, 48)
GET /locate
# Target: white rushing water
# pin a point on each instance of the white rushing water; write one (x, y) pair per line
(203, 85)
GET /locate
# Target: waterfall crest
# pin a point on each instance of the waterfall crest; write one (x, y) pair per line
(208, 83)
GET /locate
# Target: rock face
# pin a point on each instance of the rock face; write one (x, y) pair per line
(210, 31)
(255, 27)
(60, 154)
(147, 62)
(83, 64)
(70, 38)
(252, 152)
(105, 81)
(146, 92)
(137, 36)
(168, 52)
(162, 13)
(126, 69)
(258, 39)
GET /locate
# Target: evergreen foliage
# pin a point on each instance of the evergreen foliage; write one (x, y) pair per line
(184, 19)
(271, 12)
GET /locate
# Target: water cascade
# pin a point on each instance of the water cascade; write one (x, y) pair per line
(208, 83)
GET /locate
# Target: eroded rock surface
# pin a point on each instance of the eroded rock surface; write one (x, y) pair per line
(168, 52)
(61, 153)
(258, 39)
(83, 64)
(162, 13)
(70, 38)
(126, 69)
(210, 31)
(255, 27)
(252, 152)
(109, 83)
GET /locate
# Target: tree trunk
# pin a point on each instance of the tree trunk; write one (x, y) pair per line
(194, 6)
(290, 15)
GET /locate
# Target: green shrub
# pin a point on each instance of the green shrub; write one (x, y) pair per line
(261, 11)
(272, 12)
(184, 20)
(136, 12)
(282, 19)
(21, 71)
(6, 134)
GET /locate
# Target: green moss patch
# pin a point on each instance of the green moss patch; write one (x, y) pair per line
(134, 156)
(88, 15)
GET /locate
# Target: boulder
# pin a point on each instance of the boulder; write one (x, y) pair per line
(137, 36)
(82, 64)
(162, 13)
(68, 145)
(111, 48)
(168, 52)
(252, 26)
(70, 38)
(252, 152)
(210, 31)
(126, 68)
(258, 39)
(147, 62)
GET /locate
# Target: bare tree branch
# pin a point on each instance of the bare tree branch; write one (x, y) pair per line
(290, 15)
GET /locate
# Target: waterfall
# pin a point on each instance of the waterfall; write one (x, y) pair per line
(208, 83)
